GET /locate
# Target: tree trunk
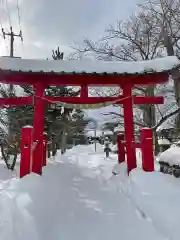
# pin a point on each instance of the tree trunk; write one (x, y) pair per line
(54, 150)
(64, 140)
(63, 143)
(149, 116)
(58, 144)
(175, 74)
(49, 150)
(157, 147)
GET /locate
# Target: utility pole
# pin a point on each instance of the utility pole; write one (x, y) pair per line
(12, 36)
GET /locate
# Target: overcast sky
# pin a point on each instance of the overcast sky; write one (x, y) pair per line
(50, 23)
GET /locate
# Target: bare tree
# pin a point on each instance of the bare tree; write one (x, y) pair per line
(165, 17)
(132, 40)
(152, 32)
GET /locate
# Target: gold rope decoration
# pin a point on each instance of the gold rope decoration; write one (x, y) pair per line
(87, 106)
(84, 106)
(91, 106)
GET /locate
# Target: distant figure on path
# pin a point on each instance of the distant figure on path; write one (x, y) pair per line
(106, 146)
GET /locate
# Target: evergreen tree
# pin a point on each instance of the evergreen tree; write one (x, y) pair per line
(12, 119)
(57, 55)
(63, 124)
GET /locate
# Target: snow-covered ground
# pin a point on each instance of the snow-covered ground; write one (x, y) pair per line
(78, 197)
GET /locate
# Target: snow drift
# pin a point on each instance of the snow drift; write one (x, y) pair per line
(78, 198)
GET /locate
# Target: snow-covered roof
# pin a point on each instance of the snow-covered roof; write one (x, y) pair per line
(107, 132)
(163, 141)
(119, 129)
(89, 66)
(93, 133)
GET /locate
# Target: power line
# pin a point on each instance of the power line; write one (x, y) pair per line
(8, 12)
(3, 12)
(1, 25)
(19, 17)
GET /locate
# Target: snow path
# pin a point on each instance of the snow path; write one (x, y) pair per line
(99, 213)
(76, 198)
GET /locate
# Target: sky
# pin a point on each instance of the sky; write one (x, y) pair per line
(46, 24)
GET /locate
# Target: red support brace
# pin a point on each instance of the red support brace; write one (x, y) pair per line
(121, 148)
(147, 149)
(39, 111)
(83, 99)
(148, 100)
(26, 153)
(44, 163)
(129, 128)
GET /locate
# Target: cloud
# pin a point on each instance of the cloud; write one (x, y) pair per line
(64, 19)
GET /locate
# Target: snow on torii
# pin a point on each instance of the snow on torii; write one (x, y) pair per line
(42, 73)
(88, 66)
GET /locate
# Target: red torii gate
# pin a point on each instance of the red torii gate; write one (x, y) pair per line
(42, 73)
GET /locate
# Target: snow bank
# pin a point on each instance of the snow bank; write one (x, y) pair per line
(92, 133)
(87, 66)
(156, 196)
(78, 197)
(65, 203)
(170, 156)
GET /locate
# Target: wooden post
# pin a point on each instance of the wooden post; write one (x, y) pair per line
(147, 149)
(129, 127)
(84, 91)
(44, 163)
(121, 150)
(26, 145)
(39, 111)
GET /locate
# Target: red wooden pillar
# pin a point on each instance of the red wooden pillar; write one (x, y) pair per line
(26, 147)
(84, 91)
(39, 111)
(121, 149)
(129, 127)
(147, 149)
(44, 163)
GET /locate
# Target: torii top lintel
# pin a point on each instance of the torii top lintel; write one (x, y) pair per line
(77, 72)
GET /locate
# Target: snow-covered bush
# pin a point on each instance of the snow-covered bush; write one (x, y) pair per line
(170, 161)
